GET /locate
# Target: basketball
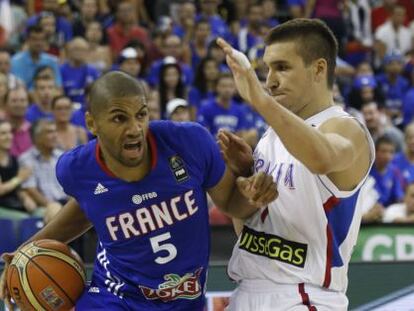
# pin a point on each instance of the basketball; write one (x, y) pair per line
(46, 275)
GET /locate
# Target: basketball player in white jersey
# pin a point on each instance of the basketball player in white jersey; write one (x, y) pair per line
(293, 253)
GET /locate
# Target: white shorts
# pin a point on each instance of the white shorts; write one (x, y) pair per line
(264, 295)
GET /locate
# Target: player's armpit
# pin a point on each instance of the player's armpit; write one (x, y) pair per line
(350, 153)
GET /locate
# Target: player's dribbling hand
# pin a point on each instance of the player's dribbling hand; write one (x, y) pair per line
(236, 152)
(247, 83)
(4, 292)
(259, 189)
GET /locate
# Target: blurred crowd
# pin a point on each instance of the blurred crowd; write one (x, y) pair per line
(52, 50)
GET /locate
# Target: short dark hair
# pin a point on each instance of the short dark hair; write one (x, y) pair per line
(37, 125)
(57, 98)
(34, 29)
(384, 140)
(313, 40)
(113, 84)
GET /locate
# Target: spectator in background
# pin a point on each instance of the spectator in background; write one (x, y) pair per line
(154, 109)
(223, 112)
(170, 84)
(24, 64)
(215, 52)
(184, 25)
(393, 36)
(88, 13)
(13, 201)
(269, 8)
(218, 26)
(365, 90)
(17, 102)
(178, 110)
(63, 26)
(388, 179)
(378, 125)
(172, 47)
(125, 29)
(251, 35)
(99, 54)
(129, 63)
(382, 13)
(393, 85)
(47, 21)
(4, 87)
(76, 73)
(408, 100)
(296, 8)
(372, 211)
(204, 85)
(404, 160)
(44, 91)
(68, 135)
(402, 212)
(42, 185)
(5, 69)
(199, 43)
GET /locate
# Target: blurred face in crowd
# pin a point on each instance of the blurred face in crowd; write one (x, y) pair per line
(394, 68)
(89, 9)
(62, 110)
(225, 88)
(50, 5)
(367, 94)
(4, 62)
(269, 8)
(45, 137)
(364, 69)
(154, 109)
(187, 11)
(172, 46)
(131, 66)
(6, 136)
(371, 116)
(181, 114)
(17, 103)
(209, 7)
(48, 24)
(384, 154)
(36, 42)
(4, 86)
(255, 16)
(409, 138)
(94, 33)
(77, 50)
(171, 77)
(126, 13)
(45, 89)
(202, 31)
(211, 70)
(409, 199)
(398, 16)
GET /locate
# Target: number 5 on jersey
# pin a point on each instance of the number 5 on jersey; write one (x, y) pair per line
(157, 246)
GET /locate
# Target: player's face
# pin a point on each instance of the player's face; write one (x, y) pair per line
(288, 80)
(122, 128)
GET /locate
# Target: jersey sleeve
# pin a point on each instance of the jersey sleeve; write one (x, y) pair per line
(207, 154)
(64, 173)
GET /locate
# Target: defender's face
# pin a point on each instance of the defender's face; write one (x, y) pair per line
(288, 80)
(122, 128)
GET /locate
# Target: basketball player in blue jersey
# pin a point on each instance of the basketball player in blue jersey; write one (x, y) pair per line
(143, 188)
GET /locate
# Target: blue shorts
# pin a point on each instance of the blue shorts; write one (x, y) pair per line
(95, 298)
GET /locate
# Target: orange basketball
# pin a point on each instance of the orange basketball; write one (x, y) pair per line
(46, 275)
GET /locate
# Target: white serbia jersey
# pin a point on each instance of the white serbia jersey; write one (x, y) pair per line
(307, 234)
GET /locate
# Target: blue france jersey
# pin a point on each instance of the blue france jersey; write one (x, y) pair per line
(154, 233)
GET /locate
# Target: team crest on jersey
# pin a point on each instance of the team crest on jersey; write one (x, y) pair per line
(178, 168)
(175, 287)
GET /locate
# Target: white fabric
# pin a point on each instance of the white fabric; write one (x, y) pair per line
(389, 36)
(394, 211)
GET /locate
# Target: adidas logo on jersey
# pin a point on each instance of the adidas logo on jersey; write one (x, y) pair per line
(100, 189)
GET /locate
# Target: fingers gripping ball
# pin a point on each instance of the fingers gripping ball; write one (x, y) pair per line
(46, 275)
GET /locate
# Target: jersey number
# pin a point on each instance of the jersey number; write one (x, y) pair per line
(168, 247)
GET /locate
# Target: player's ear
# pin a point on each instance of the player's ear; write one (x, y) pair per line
(90, 123)
(320, 68)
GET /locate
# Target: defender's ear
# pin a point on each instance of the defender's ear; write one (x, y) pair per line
(90, 123)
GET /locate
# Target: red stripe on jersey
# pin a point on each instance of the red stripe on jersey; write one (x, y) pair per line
(305, 297)
(328, 266)
(264, 214)
(153, 147)
(330, 203)
(328, 206)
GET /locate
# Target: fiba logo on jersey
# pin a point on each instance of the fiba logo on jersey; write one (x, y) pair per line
(139, 198)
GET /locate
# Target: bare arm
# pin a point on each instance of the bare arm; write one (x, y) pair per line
(39, 198)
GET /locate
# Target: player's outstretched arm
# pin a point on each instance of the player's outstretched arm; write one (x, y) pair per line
(66, 226)
(334, 147)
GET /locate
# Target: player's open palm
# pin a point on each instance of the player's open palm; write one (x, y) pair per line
(247, 83)
(236, 152)
(4, 293)
(259, 189)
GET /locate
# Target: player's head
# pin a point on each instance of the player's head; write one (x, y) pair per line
(301, 56)
(118, 115)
